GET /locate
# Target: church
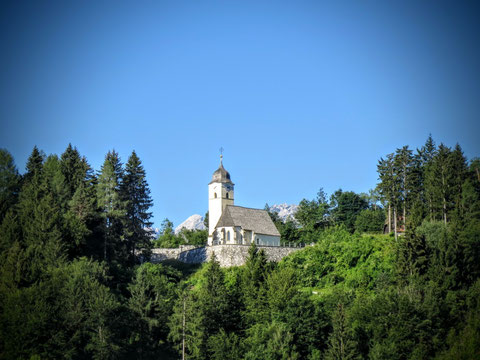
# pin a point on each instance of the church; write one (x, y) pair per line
(230, 224)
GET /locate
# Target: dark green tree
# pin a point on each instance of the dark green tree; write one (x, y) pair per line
(403, 165)
(136, 195)
(34, 162)
(152, 296)
(75, 170)
(313, 214)
(225, 346)
(112, 208)
(388, 189)
(342, 345)
(9, 182)
(370, 221)
(253, 286)
(345, 208)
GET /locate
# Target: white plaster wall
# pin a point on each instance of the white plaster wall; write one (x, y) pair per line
(217, 205)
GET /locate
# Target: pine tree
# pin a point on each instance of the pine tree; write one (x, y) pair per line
(253, 286)
(9, 182)
(34, 162)
(403, 163)
(425, 158)
(213, 299)
(136, 195)
(187, 326)
(388, 189)
(458, 166)
(438, 183)
(111, 206)
(74, 169)
(341, 343)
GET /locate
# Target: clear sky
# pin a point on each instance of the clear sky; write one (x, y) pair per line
(300, 94)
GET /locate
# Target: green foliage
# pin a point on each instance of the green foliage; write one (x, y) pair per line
(9, 182)
(270, 341)
(136, 195)
(370, 221)
(152, 295)
(341, 259)
(341, 345)
(193, 237)
(313, 214)
(112, 208)
(345, 208)
(225, 346)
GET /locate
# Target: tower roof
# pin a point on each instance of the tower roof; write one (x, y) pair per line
(221, 175)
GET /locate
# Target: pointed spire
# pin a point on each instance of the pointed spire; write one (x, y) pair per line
(221, 156)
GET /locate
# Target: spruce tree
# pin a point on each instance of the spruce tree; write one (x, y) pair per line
(388, 189)
(9, 182)
(403, 164)
(74, 168)
(34, 162)
(438, 183)
(112, 208)
(136, 195)
(341, 343)
(458, 166)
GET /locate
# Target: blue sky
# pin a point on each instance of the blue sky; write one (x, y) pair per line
(300, 94)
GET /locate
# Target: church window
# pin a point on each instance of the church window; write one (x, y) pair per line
(227, 195)
(215, 195)
(228, 235)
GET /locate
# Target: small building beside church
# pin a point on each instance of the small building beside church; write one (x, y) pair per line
(230, 224)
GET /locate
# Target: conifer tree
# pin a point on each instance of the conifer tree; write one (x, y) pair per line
(187, 326)
(403, 169)
(74, 168)
(136, 195)
(425, 158)
(34, 162)
(253, 286)
(111, 206)
(458, 166)
(213, 299)
(388, 188)
(9, 182)
(341, 343)
(438, 182)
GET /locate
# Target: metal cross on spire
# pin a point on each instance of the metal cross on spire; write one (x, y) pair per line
(221, 154)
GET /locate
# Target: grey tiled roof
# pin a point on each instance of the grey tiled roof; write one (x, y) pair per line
(248, 219)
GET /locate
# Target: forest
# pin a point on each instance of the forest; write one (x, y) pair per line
(392, 274)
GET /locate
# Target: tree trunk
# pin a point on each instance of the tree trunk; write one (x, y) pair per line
(395, 221)
(389, 218)
(444, 199)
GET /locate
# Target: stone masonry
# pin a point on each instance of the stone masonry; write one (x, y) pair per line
(227, 255)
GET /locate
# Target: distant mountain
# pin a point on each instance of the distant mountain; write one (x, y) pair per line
(194, 222)
(284, 211)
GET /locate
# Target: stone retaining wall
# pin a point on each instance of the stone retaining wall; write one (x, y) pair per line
(227, 255)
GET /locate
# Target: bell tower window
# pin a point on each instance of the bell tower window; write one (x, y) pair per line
(215, 195)
(227, 195)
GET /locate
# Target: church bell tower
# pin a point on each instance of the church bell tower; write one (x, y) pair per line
(220, 194)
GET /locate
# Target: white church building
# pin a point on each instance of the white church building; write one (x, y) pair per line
(230, 224)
